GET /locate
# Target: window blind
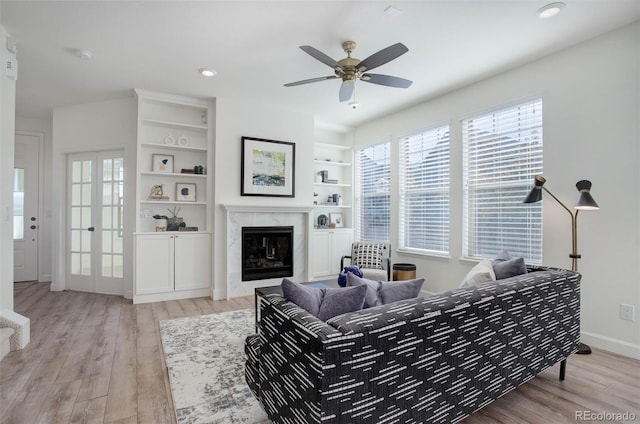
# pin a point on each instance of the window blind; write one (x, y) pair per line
(372, 192)
(424, 191)
(502, 151)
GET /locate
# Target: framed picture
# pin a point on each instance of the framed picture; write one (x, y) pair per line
(185, 192)
(162, 163)
(337, 219)
(268, 168)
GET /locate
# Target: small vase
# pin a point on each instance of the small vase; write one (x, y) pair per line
(161, 225)
(174, 223)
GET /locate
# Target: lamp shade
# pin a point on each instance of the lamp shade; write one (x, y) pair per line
(585, 200)
(535, 195)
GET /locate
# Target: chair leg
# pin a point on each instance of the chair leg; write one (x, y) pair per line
(563, 369)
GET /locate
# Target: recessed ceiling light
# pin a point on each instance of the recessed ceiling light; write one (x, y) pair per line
(207, 72)
(83, 54)
(550, 10)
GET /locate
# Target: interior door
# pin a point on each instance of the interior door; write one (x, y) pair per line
(95, 259)
(25, 208)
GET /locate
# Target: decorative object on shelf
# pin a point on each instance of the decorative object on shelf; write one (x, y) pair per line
(174, 222)
(318, 178)
(335, 198)
(325, 175)
(157, 193)
(268, 168)
(331, 181)
(187, 171)
(169, 140)
(161, 222)
(182, 141)
(322, 221)
(584, 202)
(198, 169)
(337, 219)
(187, 228)
(185, 192)
(162, 163)
(315, 198)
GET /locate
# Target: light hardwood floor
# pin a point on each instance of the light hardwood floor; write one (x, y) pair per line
(98, 358)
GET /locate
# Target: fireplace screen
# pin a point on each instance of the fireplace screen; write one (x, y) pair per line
(267, 252)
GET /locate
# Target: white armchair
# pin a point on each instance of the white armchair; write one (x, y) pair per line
(374, 260)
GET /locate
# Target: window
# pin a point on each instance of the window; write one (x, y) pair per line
(424, 191)
(372, 192)
(502, 153)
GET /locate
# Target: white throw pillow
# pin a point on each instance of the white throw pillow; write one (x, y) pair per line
(480, 273)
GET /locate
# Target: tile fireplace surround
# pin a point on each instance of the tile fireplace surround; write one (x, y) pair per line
(239, 216)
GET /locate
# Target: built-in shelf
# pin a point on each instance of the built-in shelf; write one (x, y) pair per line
(173, 174)
(332, 206)
(330, 146)
(332, 184)
(175, 124)
(171, 202)
(174, 147)
(331, 162)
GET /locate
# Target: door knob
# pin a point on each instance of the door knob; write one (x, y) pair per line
(91, 229)
(33, 218)
(33, 227)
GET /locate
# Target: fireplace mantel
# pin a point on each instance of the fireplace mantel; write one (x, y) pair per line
(238, 216)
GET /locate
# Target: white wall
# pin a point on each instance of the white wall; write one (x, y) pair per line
(107, 125)
(7, 147)
(235, 119)
(44, 127)
(591, 113)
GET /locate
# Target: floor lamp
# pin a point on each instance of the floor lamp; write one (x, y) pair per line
(584, 202)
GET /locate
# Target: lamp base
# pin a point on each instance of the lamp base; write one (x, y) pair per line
(583, 349)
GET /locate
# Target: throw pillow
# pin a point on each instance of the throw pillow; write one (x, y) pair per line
(385, 292)
(481, 273)
(324, 303)
(505, 266)
(368, 255)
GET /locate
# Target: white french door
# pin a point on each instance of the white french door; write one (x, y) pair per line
(95, 193)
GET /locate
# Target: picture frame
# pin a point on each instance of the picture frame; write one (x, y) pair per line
(162, 163)
(186, 192)
(337, 219)
(267, 168)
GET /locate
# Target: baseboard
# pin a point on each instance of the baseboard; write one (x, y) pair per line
(612, 345)
(46, 278)
(55, 288)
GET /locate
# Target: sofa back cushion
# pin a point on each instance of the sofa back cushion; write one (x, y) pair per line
(324, 303)
(384, 292)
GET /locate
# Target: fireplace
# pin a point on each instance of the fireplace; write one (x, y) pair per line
(267, 252)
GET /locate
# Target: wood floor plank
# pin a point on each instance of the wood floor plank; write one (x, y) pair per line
(98, 358)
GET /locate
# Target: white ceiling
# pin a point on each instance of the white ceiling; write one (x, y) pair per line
(254, 47)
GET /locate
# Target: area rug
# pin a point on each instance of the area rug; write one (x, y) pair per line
(205, 358)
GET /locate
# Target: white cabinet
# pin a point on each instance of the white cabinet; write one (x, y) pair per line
(328, 247)
(334, 162)
(172, 266)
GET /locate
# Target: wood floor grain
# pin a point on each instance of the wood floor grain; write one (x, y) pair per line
(98, 358)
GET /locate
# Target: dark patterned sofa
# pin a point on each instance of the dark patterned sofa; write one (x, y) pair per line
(428, 360)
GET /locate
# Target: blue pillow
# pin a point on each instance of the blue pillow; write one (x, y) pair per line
(324, 303)
(505, 266)
(384, 292)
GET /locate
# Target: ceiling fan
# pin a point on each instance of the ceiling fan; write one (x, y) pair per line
(351, 69)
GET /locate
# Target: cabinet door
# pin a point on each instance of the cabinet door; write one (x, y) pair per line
(340, 246)
(192, 261)
(321, 257)
(154, 264)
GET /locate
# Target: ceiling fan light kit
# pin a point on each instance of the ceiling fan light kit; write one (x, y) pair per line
(350, 69)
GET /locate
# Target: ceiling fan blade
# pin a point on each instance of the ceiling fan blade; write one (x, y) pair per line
(310, 80)
(387, 80)
(346, 91)
(318, 55)
(382, 57)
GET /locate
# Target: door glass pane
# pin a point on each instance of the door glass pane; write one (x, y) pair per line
(86, 264)
(18, 203)
(76, 222)
(86, 171)
(75, 240)
(112, 195)
(86, 217)
(86, 194)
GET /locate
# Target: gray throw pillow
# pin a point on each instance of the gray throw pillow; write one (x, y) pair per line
(324, 303)
(505, 266)
(385, 292)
